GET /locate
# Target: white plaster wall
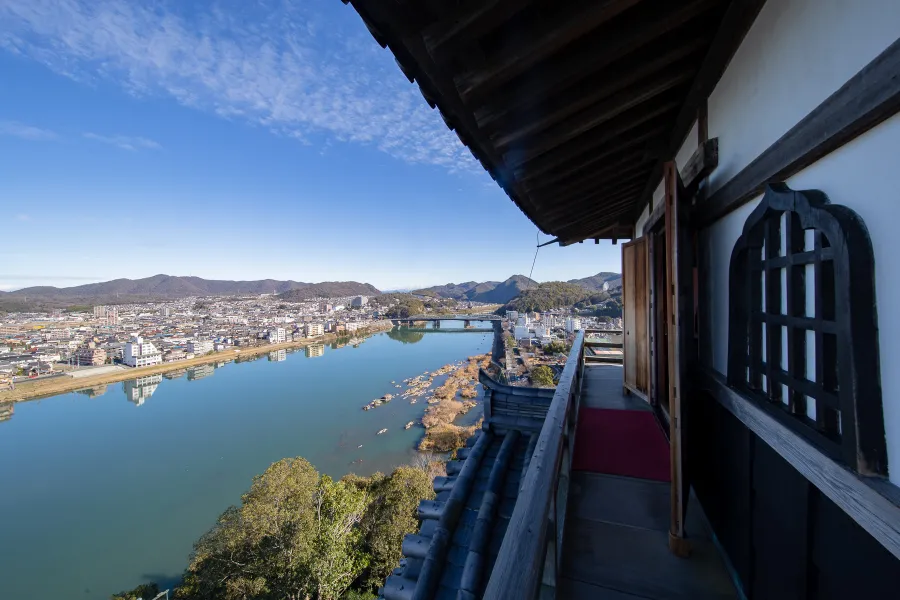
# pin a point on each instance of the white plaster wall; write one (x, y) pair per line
(863, 175)
(687, 148)
(796, 54)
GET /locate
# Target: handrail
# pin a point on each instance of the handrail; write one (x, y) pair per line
(534, 534)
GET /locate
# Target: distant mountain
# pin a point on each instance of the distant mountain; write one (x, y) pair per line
(494, 292)
(595, 282)
(168, 287)
(330, 289)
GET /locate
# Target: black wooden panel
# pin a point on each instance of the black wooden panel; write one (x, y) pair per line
(846, 562)
(721, 457)
(780, 517)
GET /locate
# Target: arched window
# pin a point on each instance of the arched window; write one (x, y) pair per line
(803, 327)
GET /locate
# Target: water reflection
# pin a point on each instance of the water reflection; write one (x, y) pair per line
(195, 373)
(93, 392)
(278, 356)
(140, 389)
(6, 411)
(315, 350)
(405, 336)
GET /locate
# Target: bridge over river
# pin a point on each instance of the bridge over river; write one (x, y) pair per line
(435, 319)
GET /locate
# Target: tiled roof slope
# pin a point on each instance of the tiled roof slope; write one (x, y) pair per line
(461, 530)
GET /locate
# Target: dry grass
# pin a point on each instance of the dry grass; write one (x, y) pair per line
(441, 434)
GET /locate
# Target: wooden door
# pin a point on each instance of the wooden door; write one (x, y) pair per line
(635, 314)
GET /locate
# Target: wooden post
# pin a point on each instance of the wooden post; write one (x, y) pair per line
(677, 542)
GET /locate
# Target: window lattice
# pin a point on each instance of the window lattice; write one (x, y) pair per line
(803, 337)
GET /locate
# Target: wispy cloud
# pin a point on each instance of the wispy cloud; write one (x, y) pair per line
(272, 63)
(26, 132)
(124, 142)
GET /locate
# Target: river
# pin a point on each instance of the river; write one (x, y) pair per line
(103, 490)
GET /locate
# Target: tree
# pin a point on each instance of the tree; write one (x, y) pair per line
(391, 515)
(145, 591)
(337, 559)
(260, 549)
(542, 376)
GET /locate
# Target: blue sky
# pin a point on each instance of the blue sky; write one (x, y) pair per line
(238, 140)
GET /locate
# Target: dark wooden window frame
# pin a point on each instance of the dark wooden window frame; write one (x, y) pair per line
(847, 382)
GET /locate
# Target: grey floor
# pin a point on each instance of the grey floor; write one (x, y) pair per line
(616, 539)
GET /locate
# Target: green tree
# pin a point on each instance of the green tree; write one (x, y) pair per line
(542, 376)
(338, 558)
(260, 549)
(392, 515)
(145, 591)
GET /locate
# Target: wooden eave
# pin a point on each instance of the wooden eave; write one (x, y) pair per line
(571, 106)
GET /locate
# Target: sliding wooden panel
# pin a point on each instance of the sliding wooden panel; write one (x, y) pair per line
(635, 296)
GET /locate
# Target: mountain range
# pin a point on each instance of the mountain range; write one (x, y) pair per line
(168, 287)
(595, 282)
(494, 292)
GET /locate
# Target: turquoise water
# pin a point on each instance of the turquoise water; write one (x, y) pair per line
(99, 493)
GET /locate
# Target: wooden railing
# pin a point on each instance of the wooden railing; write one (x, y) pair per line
(531, 553)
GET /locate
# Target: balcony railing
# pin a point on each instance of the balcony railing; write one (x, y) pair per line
(531, 554)
(604, 346)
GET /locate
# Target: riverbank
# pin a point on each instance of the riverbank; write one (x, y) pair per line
(60, 385)
(453, 398)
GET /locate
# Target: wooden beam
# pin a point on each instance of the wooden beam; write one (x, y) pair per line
(868, 98)
(856, 496)
(616, 147)
(606, 50)
(613, 205)
(608, 179)
(703, 161)
(738, 19)
(595, 116)
(535, 118)
(519, 57)
(576, 200)
(616, 161)
(473, 19)
(575, 148)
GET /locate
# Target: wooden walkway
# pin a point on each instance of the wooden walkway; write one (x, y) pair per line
(616, 540)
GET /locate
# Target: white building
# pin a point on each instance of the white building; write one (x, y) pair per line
(277, 335)
(314, 329)
(512, 315)
(200, 347)
(573, 324)
(541, 331)
(139, 353)
(520, 332)
(359, 301)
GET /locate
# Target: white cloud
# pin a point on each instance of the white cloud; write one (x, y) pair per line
(124, 142)
(26, 132)
(273, 64)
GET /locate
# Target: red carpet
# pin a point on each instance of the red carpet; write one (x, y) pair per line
(621, 442)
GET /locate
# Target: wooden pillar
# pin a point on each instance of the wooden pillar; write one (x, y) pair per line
(677, 257)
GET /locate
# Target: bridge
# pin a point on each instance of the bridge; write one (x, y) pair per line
(498, 348)
(433, 317)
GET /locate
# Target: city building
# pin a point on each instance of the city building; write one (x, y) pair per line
(573, 324)
(165, 311)
(200, 347)
(90, 356)
(520, 332)
(512, 315)
(141, 353)
(359, 302)
(315, 329)
(277, 335)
